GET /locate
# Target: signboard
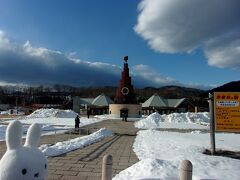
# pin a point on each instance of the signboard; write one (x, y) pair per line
(227, 111)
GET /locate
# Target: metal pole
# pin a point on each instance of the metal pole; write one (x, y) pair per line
(107, 167)
(186, 170)
(212, 123)
(55, 134)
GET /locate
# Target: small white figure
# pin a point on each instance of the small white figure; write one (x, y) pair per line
(23, 162)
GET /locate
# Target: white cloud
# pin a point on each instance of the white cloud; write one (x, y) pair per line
(152, 77)
(224, 52)
(4, 42)
(3, 83)
(173, 26)
(41, 66)
(43, 54)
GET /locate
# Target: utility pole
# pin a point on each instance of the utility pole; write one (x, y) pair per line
(17, 104)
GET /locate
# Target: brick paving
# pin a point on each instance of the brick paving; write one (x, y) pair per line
(86, 163)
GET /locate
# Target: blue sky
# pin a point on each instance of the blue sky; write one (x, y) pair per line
(81, 43)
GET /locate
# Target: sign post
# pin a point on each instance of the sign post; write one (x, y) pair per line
(212, 123)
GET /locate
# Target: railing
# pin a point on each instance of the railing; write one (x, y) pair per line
(185, 169)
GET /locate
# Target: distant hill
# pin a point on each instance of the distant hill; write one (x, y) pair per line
(233, 86)
(170, 92)
(58, 93)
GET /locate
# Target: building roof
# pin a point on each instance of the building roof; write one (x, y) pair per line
(157, 101)
(154, 101)
(174, 102)
(87, 101)
(102, 100)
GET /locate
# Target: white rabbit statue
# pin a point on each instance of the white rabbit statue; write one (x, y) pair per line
(23, 162)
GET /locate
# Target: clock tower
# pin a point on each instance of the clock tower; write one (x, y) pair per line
(124, 102)
(125, 94)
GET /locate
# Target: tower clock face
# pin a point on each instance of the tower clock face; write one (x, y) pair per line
(124, 90)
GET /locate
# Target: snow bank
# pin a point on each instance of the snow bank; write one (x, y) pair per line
(149, 169)
(44, 113)
(187, 121)
(160, 154)
(187, 117)
(77, 143)
(151, 122)
(12, 112)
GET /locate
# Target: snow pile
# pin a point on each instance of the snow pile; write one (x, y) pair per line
(149, 169)
(151, 122)
(58, 113)
(187, 117)
(73, 144)
(12, 112)
(161, 153)
(50, 125)
(175, 147)
(174, 120)
(155, 116)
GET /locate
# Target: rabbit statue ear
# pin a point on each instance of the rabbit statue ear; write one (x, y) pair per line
(33, 135)
(14, 135)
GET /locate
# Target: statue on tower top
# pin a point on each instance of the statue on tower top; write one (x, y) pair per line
(125, 58)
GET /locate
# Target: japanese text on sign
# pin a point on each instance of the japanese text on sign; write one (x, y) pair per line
(227, 111)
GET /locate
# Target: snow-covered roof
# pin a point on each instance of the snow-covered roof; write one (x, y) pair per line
(154, 101)
(87, 101)
(102, 100)
(157, 101)
(174, 102)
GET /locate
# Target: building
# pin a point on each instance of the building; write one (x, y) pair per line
(98, 105)
(166, 106)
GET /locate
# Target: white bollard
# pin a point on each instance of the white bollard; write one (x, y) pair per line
(186, 170)
(107, 167)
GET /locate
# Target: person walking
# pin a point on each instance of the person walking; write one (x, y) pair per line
(122, 115)
(126, 116)
(77, 122)
(88, 112)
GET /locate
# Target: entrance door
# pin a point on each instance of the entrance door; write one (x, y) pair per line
(123, 112)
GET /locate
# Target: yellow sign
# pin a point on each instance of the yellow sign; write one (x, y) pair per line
(227, 111)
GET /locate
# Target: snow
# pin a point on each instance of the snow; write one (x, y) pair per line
(43, 113)
(149, 169)
(160, 152)
(76, 143)
(52, 121)
(12, 112)
(175, 120)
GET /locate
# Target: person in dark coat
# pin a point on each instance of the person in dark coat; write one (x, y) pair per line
(77, 122)
(125, 116)
(88, 112)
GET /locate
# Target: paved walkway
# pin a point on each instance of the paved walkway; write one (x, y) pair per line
(86, 163)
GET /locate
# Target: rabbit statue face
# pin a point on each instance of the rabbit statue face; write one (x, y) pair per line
(23, 162)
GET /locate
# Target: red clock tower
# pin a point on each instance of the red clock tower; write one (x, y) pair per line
(125, 99)
(125, 94)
